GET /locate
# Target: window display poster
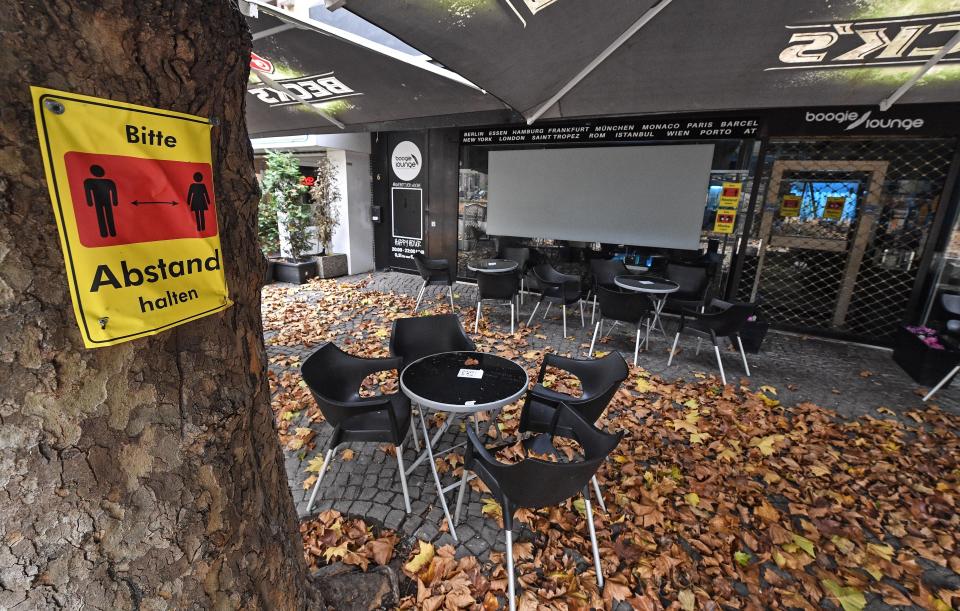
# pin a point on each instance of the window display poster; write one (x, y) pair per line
(790, 206)
(730, 195)
(726, 220)
(833, 209)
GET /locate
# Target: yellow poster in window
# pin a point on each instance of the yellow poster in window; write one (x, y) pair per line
(726, 220)
(730, 195)
(132, 194)
(833, 209)
(790, 206)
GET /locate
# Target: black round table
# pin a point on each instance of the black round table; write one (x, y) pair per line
(492, 266)
(646, 284)
(452, 382)
(447, 383)
(657, 288)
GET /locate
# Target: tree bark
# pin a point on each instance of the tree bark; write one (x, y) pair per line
(145, 475)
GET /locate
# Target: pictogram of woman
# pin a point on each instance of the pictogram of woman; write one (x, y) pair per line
(199, 200)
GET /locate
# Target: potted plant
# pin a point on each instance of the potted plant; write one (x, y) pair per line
(268, 233)
(325, 195)
(283, 185)
(921, 352)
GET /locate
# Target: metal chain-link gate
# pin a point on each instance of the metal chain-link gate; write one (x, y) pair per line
(839, 232)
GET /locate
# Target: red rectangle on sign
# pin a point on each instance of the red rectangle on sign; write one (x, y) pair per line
(126, 200)
(731, 192)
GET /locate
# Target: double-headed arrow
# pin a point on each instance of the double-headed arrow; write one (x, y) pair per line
(137, 202)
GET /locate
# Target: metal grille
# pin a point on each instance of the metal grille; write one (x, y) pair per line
(836, 244)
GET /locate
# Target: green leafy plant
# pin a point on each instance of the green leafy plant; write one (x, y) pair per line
(267, 229)
(283, 185)
(325, 194)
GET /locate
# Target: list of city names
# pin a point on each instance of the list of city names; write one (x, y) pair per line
(617, 131)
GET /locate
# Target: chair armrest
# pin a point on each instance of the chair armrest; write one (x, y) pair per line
(719, 304)
(437, 265)
(476, 449)
(544, 283)
(380, 364)
(573, 366)
(543, 393)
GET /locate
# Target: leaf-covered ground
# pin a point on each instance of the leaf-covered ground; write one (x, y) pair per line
(717, 497)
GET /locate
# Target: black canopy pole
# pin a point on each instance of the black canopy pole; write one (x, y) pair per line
(734, 284)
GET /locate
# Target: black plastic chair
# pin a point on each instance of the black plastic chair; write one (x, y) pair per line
(600, 379)
(557, 288)
(522, 257)
(721, 319)
(434, 271)
(627, 307)
(694, 281)
(604, 272)
(951, 305)
(499, 287)
(334, 379)
(534, 483)
(414, 338)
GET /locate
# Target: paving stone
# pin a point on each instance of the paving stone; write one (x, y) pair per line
(394, 518)
(360, 508)
(383, 496)
(477, 546)
(377, 512)
(427, 532)
(465, 532)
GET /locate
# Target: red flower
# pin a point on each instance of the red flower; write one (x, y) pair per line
(307, 180)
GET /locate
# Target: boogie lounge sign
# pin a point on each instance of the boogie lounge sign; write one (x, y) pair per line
(901, 119)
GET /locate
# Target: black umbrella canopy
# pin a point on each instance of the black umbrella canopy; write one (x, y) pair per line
(522, 51)
(692, 55)
(311, 67)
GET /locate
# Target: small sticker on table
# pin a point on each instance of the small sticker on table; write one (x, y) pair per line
(476, 374)
(644, 281)
(470, 403)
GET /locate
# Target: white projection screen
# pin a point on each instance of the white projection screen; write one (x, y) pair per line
(637, 195)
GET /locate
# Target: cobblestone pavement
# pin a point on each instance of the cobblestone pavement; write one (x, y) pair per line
(851, 379)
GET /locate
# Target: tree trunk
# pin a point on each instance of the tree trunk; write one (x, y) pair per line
(145, 475)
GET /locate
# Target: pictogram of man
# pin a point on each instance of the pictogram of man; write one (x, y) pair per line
(199, 200)
(102, 193)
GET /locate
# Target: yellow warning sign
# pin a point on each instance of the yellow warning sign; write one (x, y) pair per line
(730, 195)
(132, 193)
(790, 206)
(726, 220)
(833, 209)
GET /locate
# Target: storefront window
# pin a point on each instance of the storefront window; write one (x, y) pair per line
(948, 273)
(473, 242)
